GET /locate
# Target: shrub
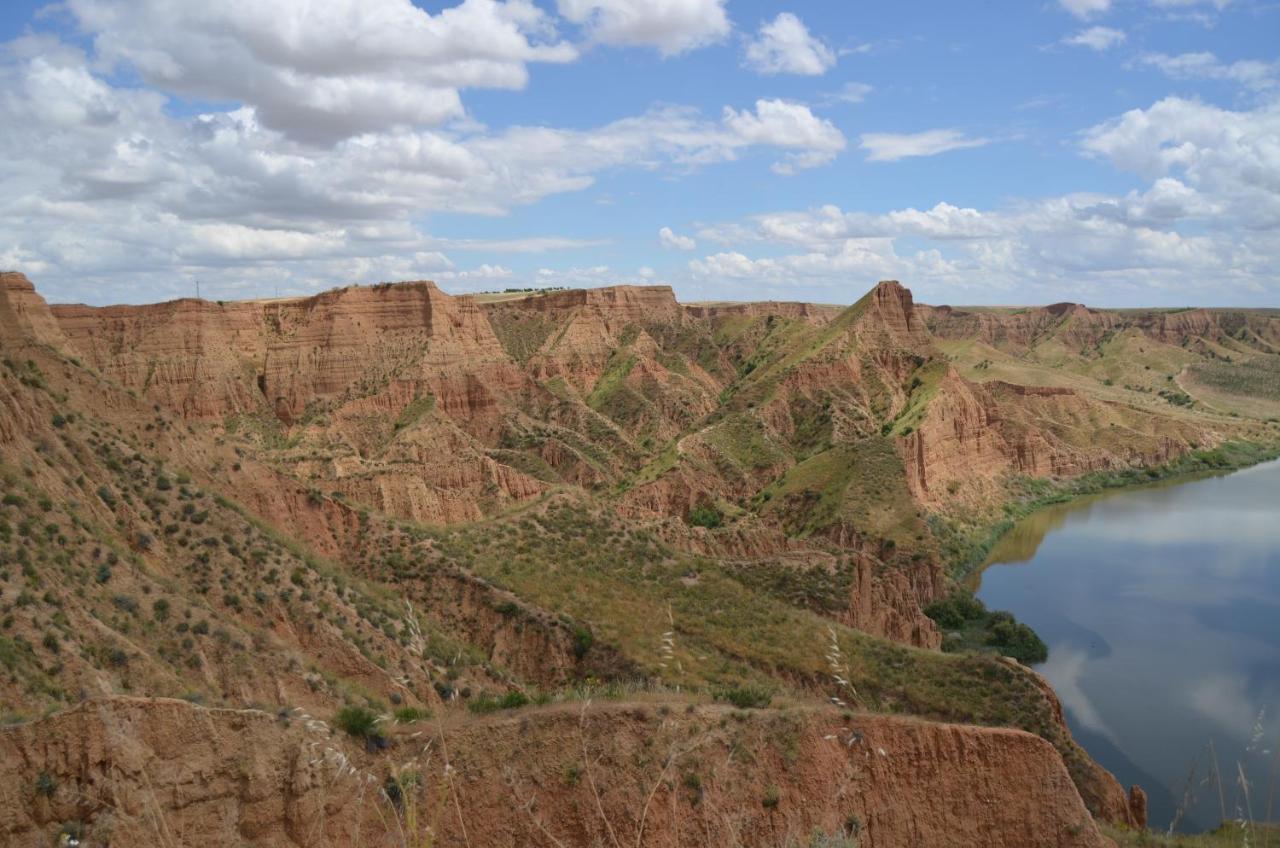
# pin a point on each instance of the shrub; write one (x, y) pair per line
(46, 784)
(487, 703)
(954, 611)
(583, 639)
(771, 798)
(360, 722)
(1016, 640)
(408, 715)
(705, 515)
(745, 697)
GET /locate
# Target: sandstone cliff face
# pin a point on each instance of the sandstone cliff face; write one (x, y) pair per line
(972, 434)
(137, 772)
(320, 347)
(817, 313)
(26, 312)
(1077, 325)
(584, 328)
(1080, 328)
(889, 602)
(197, 358)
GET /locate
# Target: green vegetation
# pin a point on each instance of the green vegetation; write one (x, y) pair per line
(408, 715)
(1256, 377)
(705, 515)
(360, 722)
(745, 697)
(1229, 835)
(611, 396)
(414, 411)
(521, 332)
(46, 784)
(575, 560)
(486, 703)
(969, 625)
(860, 484)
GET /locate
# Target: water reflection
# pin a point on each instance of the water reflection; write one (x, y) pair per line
(1161, 608)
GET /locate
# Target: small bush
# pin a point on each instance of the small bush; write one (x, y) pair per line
(408, 715)
(745, 697)
(360, 722)
(1016, 640)
(488, 703)
(583, 639)
(705, 515)
(953, 612)
(46, 784)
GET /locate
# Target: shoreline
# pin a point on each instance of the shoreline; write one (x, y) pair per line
(1227, 458)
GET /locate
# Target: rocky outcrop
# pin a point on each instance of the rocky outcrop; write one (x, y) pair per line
(139, 771)
(889, 601)
(196, 358)
(575, 332)
(1081, 329)
(616, 306)
(25, 313)
(206, 360)
(816, 313)
(972, 434)
(359, 338)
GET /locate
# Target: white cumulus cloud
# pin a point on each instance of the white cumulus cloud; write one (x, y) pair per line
(785, 46)
(672, 240)
(1206, 228)
(672, 26)
(320, 73)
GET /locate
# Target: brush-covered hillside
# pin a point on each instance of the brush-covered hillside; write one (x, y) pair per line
(390, 567)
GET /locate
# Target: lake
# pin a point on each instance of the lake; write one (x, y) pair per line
(1161, 610)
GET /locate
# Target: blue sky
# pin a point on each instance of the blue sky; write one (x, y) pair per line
(1116, 152)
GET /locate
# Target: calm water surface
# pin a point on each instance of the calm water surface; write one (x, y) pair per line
(1161, 609)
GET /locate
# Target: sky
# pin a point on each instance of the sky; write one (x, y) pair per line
(1111, 152)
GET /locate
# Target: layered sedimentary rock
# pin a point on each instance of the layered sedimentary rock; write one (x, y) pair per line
(889, 602)
(818, 313)
(25, 312)
(1081, 328)
(572, 334)
(197, 358)
(972, 434)
(409, 333)
(135, 771)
